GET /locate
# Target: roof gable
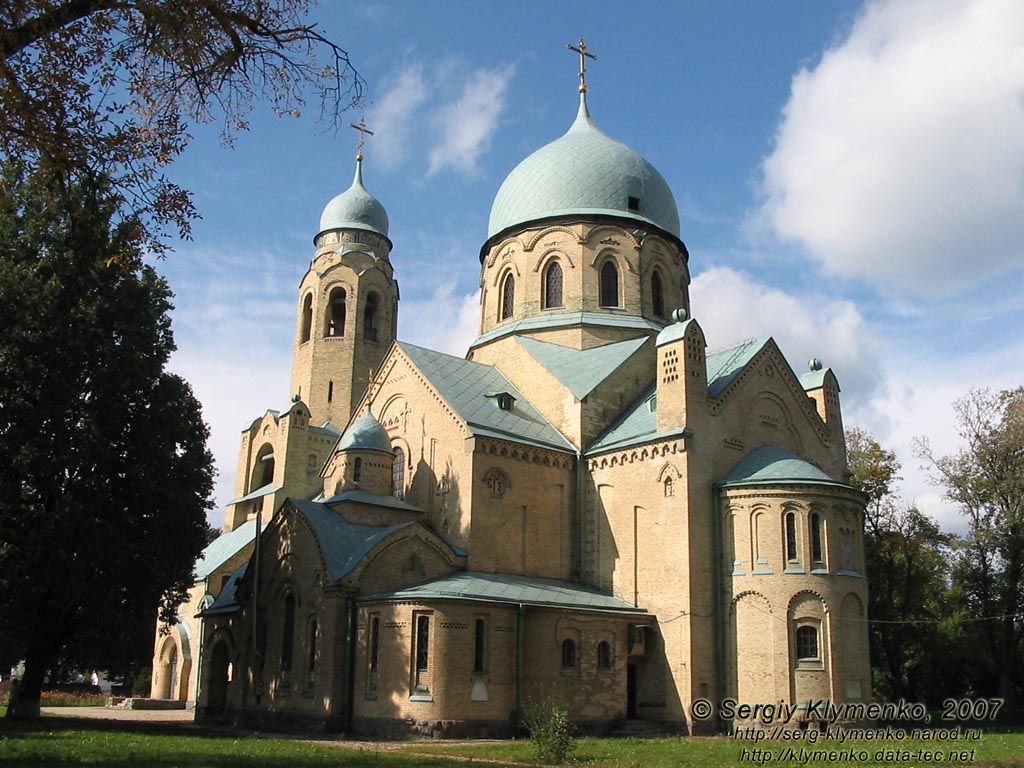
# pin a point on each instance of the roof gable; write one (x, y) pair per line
(581, 370)
(223, 548)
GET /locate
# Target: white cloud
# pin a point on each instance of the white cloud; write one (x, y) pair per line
(446, 321)
(900, 155)
(732, 306)
(393, 118)
(466, 125)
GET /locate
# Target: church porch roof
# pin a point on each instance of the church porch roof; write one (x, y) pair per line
(223, 548)
(513, 589)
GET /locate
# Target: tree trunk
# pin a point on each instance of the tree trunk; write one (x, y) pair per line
(24, 701)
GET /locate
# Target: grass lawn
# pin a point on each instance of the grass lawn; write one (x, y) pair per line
(69, 741)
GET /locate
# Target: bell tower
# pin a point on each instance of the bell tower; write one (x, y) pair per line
(348, 303)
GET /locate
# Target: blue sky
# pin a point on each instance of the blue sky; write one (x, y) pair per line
(850, 179)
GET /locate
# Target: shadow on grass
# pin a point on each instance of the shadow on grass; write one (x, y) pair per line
(66, 741)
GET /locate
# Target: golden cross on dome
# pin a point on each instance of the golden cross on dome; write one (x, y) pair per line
(363, 131)
(582, 51)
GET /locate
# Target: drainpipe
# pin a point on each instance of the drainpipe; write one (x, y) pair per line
(201, 625)
(718, 586)
(256, 652)
(577, 521)
(520, 656)
(350, 662)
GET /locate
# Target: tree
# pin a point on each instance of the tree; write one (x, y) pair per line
(985, 479)
(907, 566)
(111, 86)
(105, 478)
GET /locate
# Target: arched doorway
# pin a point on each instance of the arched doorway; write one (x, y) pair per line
(168, 670)
(220, 662)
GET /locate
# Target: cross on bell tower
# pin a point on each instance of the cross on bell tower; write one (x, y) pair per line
(363, 133)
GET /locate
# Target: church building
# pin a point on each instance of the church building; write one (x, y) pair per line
(590, 506)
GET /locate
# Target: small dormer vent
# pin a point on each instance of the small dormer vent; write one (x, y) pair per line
(504, 400)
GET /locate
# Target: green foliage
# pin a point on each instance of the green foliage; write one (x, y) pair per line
(985, 478)
(105, 478)
(96, 84)
(550, 730)
(907, 561)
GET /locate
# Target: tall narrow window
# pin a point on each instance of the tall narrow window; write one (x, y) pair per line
(553, 286)
(479, 640)
(508, 298)
(816, 553)
(791, 537)
(357, 469)
(307, 318)
(336, 313)
(568, 654)
(806, 643)
(311, 649)
(370, 317)
(330, 391)
(398, 474)
(373, 652)
(609, 284)
(288, 633)
(604, 655)
(422, 642)
(657, 295)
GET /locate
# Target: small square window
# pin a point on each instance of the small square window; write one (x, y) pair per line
(634, 203)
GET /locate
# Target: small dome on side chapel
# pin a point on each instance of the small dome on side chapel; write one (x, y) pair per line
(584, 172)
(365, 434)
(355, 208)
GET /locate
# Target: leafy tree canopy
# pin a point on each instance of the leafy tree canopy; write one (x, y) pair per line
(105, 478)
(112, 85)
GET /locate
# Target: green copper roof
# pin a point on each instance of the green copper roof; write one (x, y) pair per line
(343, 543)
(509, 588)
(563, 319)
(814, 379)
(584, 172)
(726, 364)
(581, 369)
(769, 465)
(265, 490)
(466, 386)
(355, 208)
(223, 548)
(639, 423)
(227, 601)
(365, 434)
(365, 497)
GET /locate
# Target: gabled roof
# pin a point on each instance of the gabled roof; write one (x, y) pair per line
(264, 490)
(726, 364)
(770, 465)
(510, 588)
(227, 601)
(343, 543)
(223, 548)
(581, 370)
(466, 385)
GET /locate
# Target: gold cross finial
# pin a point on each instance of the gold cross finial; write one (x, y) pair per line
(582, 51)
(363, 131)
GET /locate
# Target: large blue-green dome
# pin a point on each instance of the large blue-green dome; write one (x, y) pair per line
(355, 208)
(584, 172)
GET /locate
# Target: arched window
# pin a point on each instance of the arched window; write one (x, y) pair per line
(307, 318)
(816, 552)
(288, 633)
(604, 655)
(657, 295)
(806, 643)
(398, 474)
(670, 488)
(263, 469)
(568, 654)
(791, 537)
(357, 470)
(336, 313)
(609, 284)
(508, 298)
(553, 286)
(370, 317)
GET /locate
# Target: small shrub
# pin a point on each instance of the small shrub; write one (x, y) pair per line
(550, 731)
